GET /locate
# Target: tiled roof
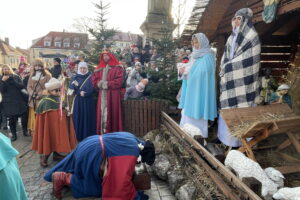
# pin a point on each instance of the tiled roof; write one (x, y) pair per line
(62, 37)
(6, 49)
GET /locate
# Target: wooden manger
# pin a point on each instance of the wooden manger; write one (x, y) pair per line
(259, 123)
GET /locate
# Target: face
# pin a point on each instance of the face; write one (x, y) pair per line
(195, 43)
(106, 58)
(283, 92)
(55, 92)
(236, 21)
(136, 50)
(5, 71)
(55, 62)
(37, 68)
(83, 70)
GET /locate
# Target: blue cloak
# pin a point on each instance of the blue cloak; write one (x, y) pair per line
(84, 108)
(200, 94)
(85, 161)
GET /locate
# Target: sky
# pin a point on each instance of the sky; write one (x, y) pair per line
(25, 20)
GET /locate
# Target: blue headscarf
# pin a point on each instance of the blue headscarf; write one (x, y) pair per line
(204, 46)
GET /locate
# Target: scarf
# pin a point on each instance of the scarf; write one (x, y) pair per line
(204, 46)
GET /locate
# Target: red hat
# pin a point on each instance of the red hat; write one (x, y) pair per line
(113, 61)
(22, 58)
(185, 61)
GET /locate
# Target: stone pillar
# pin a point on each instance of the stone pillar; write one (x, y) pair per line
(159, 15)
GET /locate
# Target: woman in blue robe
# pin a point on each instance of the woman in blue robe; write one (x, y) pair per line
(82, 169)
(200, 97)
(84, 108)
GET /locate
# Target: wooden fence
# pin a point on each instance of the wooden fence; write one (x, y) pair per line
(142, 116)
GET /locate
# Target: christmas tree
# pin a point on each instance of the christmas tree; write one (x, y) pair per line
(101, 34)
(163, 83)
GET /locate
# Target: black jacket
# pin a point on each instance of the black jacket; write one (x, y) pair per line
(56, 71)
(13, 101)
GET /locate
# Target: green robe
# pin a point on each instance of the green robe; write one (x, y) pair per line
(11, 184)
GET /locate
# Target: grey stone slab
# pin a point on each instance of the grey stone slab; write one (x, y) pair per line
(164, 191)
(168, 198)
(153, 195)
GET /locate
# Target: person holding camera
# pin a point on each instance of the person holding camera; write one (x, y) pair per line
(35, 88)
(13, 101)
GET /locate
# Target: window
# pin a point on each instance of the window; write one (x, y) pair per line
(47, 43)
(66, 44)
(57, 44)
(76, 45)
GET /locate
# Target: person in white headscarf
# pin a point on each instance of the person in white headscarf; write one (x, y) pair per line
(199, 101)
(84, 108)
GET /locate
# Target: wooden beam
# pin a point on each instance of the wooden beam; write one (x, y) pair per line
(294, 141)
(222, 186)
(288, 169)
(286, 143)
(212, 160)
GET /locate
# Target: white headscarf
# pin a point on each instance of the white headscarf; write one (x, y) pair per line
(82, 65)
(204, 46)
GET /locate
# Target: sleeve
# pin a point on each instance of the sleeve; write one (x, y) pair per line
(30, 87)
(16, 81)
(95, 79)
(128, 92)
(116, 83)
(273, 98)
(73, 86)
(2, 85)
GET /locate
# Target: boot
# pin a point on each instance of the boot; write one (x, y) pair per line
(57, 157)
(44, 160)
(60, 180)
(25, 132)
(14, 136)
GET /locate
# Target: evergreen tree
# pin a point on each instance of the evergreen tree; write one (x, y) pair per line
(101, 34)
(163, 83)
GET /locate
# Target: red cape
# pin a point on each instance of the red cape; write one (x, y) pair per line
(113, 61)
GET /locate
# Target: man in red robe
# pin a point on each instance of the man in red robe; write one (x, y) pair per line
(108, 78)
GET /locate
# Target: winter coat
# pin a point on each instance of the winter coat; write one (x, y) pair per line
(13, 102)
(56, 71)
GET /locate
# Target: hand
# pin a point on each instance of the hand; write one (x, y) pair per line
(4, 78)
(100, 84)
(82, 93)
(181, 70)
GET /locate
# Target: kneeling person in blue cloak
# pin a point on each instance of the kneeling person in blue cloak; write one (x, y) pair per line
(102, 166)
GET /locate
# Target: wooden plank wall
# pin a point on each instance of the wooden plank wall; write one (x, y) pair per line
(142, 116)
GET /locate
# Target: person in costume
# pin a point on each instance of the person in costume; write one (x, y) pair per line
(53, 131)
(13, 102)
(239, 71)
(11, 184)
(83, 108)
(102, 166)
(198, 101)
(281, 96)
(36, 88)
(108, 78)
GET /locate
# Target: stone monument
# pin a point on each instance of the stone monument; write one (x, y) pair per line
(159, 15)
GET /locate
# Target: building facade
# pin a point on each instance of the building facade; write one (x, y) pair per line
(58, 44)
(10, 55)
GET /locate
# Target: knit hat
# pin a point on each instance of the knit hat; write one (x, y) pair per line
(283, 87)
(53, 84)
(138, 63)
(57, 60)
(22, 58)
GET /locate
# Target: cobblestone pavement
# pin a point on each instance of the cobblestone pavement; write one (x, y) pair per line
(38, 189)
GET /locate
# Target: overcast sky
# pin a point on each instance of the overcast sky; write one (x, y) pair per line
(25, 20)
